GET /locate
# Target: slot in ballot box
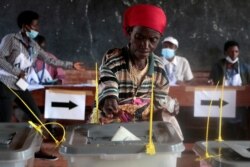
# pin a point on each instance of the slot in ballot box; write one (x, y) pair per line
(18, 143)
(90, 145)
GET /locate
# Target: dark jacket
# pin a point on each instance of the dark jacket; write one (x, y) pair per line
(219, 69)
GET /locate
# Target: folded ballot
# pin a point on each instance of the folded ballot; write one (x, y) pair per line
(122, 134)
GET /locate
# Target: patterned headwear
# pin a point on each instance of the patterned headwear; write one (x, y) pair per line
(145, 15)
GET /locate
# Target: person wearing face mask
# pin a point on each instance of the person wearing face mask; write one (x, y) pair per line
(18, 51)
(177, 68)
(235, 71)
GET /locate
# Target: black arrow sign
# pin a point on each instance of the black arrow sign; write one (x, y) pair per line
(69, 104)
(214, 102)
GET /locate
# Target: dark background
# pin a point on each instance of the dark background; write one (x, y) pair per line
(85, 29)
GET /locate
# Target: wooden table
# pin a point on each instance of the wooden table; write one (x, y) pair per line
(184, 94)
(193, 127)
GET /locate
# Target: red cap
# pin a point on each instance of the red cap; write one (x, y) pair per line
(145, 15)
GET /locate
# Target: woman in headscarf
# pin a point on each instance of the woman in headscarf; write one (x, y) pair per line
(126, 73)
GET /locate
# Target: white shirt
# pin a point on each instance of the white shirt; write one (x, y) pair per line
(178, 70)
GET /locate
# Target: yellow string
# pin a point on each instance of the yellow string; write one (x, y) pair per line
(207, 155)
(96, 93)
(150, 148)
(42, 125)
(208, 122)
(221, 110)
(39, 129)
(95, 117)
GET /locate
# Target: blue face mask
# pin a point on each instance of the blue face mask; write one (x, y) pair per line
(168, 53)
(32, 34)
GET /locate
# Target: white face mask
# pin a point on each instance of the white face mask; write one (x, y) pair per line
(228, 58)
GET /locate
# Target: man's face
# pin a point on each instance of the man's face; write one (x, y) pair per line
(33, 26)
(233, 52)
(143, 41)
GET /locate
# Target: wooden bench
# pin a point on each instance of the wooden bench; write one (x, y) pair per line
(88, 76)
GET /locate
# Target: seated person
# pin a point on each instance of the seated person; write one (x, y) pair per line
(177, 68)
(126, 73)
(235, 73)
(47, 73)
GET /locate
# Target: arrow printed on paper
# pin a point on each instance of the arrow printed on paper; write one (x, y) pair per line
(69, 104)
(214, 102)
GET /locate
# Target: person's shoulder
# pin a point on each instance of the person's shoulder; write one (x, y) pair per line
(10, 36)
(159, 61)
(181, 58)
(113, 53)
(244, 64)
(113, 58)
(221, 61)
(9, 39)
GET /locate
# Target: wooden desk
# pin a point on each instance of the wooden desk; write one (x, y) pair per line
(193, 127)
(184, 94)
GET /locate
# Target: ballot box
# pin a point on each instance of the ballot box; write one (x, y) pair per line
(18, 143)
(93, 145)
(223, 154)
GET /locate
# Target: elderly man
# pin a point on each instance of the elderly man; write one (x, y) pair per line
(177, 68)
(126, 73)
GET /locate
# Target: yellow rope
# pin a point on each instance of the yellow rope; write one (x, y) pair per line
(95, 116)
(208, 121)
(221, 110)
(207, 155)
(150, 147)
(42, 125)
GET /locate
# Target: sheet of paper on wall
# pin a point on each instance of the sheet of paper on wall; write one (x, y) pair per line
(202, 103)
(65, 104)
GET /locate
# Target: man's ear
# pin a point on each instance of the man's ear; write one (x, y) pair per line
(25, 27)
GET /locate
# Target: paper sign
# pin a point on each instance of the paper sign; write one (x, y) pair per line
(65, 104)
(202, 103)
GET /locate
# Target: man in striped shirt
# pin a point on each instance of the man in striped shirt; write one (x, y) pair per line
(126, 74)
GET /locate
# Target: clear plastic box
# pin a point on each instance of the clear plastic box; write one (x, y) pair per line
(224, 154)
(91, 146)
(18, 143)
